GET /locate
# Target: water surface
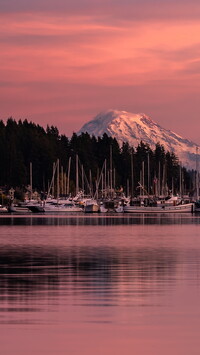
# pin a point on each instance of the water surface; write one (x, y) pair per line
(100, 285)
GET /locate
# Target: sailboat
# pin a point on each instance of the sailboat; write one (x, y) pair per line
(147, 204)
(160, 208)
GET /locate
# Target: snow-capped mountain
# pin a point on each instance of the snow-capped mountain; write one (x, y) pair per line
(133, 128)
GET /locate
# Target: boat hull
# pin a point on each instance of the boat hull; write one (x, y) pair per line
(36, 209)
(62, 209)
(103, 209)
(91, 209)
(3, 209)
(55, 209)
(161, 209)
(18, 209)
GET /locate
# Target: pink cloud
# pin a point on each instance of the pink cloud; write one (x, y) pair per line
(57, 67)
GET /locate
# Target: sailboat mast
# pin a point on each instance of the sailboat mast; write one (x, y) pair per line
(111, 169)
(148, 174)
(105, 177)
(64, 179)
(58, 182)
(197, 173)
(132, 173)
(102, 181)
(82, 176)
(53, 183)
(180, 180)
(143, 177)
(31, 181)
(159, 177)
(100, 178)
(91, 189)
(68, 175)
(127, 188)
(109, 181)
(163, 180)
(77, 180)
(62, 189)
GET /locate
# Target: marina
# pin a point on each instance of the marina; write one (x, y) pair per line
(155, 192)
(99, 177)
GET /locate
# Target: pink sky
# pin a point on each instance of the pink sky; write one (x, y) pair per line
(62, 63)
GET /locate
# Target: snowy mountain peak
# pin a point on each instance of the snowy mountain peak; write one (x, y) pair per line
(134, 128)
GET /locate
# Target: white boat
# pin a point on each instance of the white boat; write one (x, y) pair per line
(27, 206)
(119, 209)
(66, 207)
(18, 209)
(53, 207)
(103, 209)
(91, 206)
(185, 207)
(3, 209)
(172, 201)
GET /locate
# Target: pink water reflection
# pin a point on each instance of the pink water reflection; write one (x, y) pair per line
(86, 289)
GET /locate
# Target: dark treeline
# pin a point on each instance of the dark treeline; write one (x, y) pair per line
(24, 142)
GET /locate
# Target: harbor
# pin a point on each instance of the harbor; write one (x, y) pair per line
(104, 197)
(99, 177)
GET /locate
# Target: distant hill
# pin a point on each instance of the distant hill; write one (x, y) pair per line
(133, 128)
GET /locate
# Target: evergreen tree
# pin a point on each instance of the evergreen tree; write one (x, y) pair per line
(23, 142)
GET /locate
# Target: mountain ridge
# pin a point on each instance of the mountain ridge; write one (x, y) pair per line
(134, 128)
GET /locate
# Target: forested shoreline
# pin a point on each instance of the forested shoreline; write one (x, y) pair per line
(23, 142)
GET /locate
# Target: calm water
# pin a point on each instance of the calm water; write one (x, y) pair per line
(99, 285)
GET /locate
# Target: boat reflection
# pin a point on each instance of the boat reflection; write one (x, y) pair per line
(104, 274)
(101, 220)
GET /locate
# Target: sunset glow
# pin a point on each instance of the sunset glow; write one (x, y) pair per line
(61, 63)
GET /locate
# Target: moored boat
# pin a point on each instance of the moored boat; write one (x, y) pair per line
(63, 208)
(36, 208)
(185, 207)
(197, 207)
(103, 209)
(3, 209)
(15, 208)
(91, 206)
(52, 207)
